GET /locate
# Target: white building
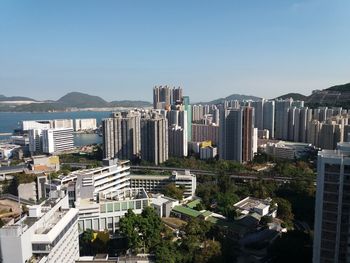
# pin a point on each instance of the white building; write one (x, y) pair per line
(106, 213)
(37, 124)
(286, 150)
(62, 124)
(50, 140)
(57, 140)
(111, 178)
(254, 205)
(6, 150)
(186, 180)
(163, 204)
(46, 124)
(85, 124)
(157, 183)
(48, 235)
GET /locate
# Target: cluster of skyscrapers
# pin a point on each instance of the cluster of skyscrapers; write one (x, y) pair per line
(150, 135)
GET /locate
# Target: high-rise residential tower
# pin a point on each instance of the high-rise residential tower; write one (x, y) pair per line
(121, 136)
(259, 113)
(154, 138)
(188, 109)
(164, 96)
(269, 117)
(236, 134)
(248, 134)
(332, 211)
(281, 118)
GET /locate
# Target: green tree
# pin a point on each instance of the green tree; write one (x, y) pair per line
(143, 232)
(210, 252)
(166, 252)
(85, 242)
(265, 220)
(284, 210)
(128, 225)
(174, 192)
(13, 186)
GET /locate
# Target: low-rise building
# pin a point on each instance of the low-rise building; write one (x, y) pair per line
(163, 204)
(84, 124)
(7, 150)
(105, 213)
(287, 150)
(44, 163)
(157, 183)
(250, 205)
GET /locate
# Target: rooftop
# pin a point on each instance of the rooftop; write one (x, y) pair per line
(193, 203)
(250, 203)
(186, 211)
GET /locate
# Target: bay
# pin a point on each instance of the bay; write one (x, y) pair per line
(9, 121)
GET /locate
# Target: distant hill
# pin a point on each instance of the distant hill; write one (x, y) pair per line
(130, 103)
(70, 100)
(14, 98)
(233, 97)
(340, 88)
(294, 96)
(335, 96)
(82, 100)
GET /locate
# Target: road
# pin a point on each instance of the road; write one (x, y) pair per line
(281, 179)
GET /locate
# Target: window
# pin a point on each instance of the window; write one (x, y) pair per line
(116, 206)
(124, 206)
(110, 207)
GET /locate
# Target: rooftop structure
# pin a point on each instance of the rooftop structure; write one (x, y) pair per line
(250, 205)
(48, 234)
(157, 183)
(6, 150)
(287, 150)
(107, 211)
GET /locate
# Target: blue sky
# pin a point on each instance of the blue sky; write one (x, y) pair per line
(121, 49)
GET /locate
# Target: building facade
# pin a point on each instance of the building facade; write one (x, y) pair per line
(48, 234)
(332, 212)
(154, 138)
(121, 136)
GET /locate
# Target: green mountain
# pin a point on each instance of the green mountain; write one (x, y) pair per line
(14, 98)
(335, 96)
(232, 97)
(294, 96)
(70, 100)
(82, 100)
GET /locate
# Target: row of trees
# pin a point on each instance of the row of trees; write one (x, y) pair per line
(201, 241)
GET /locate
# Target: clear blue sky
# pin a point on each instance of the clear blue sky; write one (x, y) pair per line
(121, 49)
